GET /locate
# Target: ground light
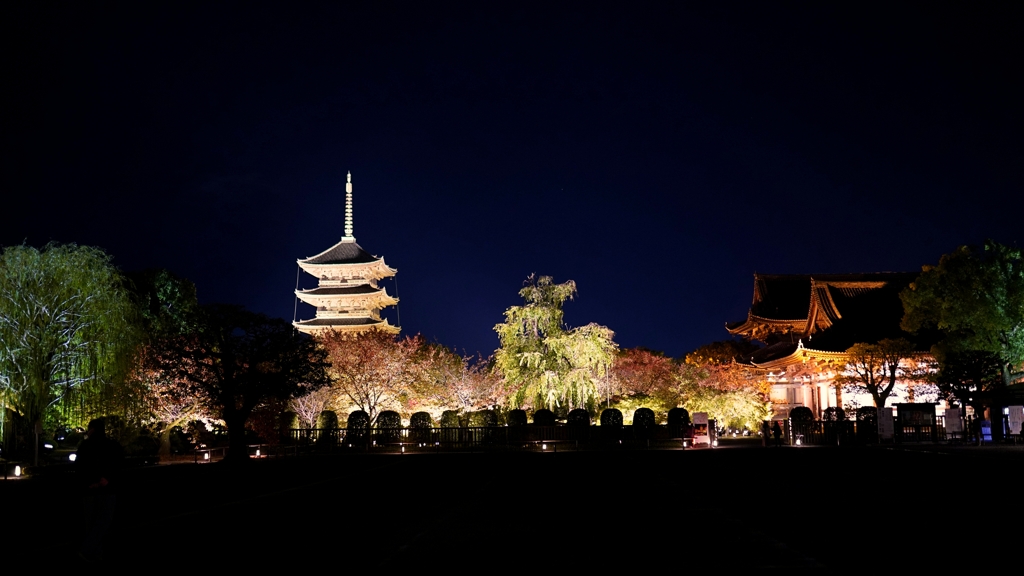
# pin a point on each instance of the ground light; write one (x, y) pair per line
(17, 471)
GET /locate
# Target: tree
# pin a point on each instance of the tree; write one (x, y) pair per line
(66, 323)
(877, 368)
(373, 370)
(446, 379)
(237, 360)
(963, 375)
(544, 361)
(641, 371)
(975, 297)
(712, 381)
(169, 311)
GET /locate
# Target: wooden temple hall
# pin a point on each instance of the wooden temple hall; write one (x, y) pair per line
(808, 322)
(347, 297)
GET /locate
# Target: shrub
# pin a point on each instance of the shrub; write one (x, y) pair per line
(389, 423)
(544, 417)
(644, 418)
(678, 422)
(611, 417)
(421, 420)
(327, 423)
(678, 417)
(450, 419)
(801, 414)
(483, 418)
(288, 421)
(389, 419)
(327, 420)
(358, 426)
(867, 414)
(834, 414)
(579, 417)
(517, 417)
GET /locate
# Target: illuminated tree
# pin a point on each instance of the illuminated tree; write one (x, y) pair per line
(711, 380)
(238, 360)
(66, 323)
(169, 311)
(641, 371)
(448, 380)
(877, 368)
(372, 370)
(543, 361)
(975, 297)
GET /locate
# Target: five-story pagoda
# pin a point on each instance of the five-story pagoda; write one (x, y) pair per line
(347, 297)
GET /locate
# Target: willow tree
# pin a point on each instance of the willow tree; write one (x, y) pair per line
(66, 323)
(545, 362)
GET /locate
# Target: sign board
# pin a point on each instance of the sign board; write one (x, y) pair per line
(701, 433)
(953, 422)
(885, 426)
(1015, 418)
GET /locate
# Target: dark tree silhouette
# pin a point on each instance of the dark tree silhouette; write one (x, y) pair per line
(235, 360)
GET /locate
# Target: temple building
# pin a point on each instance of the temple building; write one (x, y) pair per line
(347, 297)
(808, 322)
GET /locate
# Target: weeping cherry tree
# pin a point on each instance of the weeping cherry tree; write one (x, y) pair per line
(545, 362)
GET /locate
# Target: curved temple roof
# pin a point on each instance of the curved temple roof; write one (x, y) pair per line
(344, 252)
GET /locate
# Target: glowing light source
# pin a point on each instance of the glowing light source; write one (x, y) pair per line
(799, 441)
(257, 452)
(17, 471)
(72, 456)
(206, 455)
(48, 446)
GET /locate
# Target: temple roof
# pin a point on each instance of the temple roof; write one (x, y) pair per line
(344, 252)
(826, 312)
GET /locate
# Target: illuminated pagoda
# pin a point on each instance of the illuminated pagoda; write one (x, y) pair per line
(347, 297)
(808, 322)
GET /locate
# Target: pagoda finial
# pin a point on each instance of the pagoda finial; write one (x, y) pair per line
(348, 209)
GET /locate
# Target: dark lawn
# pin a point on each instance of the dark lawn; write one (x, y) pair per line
(737, 507)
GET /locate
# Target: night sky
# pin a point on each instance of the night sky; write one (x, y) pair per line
(656, 155)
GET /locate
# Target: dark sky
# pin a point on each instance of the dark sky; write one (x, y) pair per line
(656, 155)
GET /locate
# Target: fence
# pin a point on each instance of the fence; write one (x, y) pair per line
(505, 438)
(852, 432)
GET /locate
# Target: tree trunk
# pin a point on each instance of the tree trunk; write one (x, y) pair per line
(238, 450)
(165, 437)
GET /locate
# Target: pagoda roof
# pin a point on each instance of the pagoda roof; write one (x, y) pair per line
(327, 322)
(344, 252)
(341, 290)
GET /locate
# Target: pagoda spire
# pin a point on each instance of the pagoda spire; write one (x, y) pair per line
(348, 210)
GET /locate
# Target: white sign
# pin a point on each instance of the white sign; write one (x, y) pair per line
(885, 427)
(953, 422)
(1016, 418)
